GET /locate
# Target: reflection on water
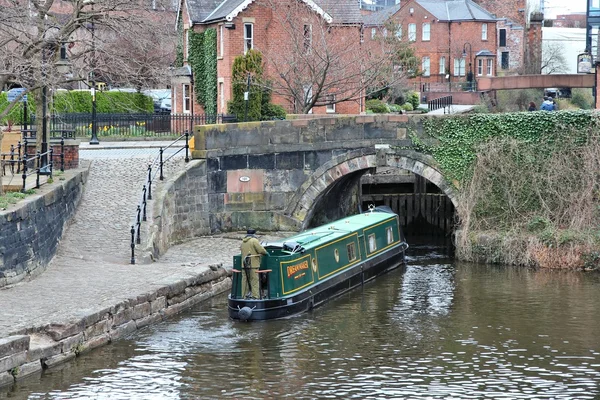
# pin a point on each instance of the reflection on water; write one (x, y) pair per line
(436, 330)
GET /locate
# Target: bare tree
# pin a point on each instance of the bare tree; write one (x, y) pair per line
(50, 44)
(553, 58)
(317, 61)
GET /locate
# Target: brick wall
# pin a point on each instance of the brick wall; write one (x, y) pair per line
(71, 152)
(29, 233)
(447, 41)
(270, 38)
(515, 43)
(511, 9)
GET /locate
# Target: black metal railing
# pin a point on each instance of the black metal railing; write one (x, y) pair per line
(155, 168)
(12, 159)
(129, 125)
(441, 102)
(33, 165)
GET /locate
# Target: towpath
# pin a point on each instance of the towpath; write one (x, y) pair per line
(91, 269)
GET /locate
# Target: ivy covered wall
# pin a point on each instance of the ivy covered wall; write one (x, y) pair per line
(453, 140)
(203, 61)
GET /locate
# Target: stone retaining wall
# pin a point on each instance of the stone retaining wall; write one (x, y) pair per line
(30, 231)
(180, 211)
(29, 351)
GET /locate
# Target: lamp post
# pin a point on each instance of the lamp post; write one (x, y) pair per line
(470, 73)
(94, 139)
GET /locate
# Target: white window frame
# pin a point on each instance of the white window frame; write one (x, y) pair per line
(459, 66)
(222, 95)
(187, 44)
(412, 32)
(490, 67)
(426, 66)
(426, 32)
(186, 98)
(373, 33)
(484, 31)
(221, 40)
(248, 41)
(399, 32)
(479, 67)
(442, 65)
(330, 106)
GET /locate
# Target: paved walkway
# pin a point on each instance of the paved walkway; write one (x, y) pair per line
(91, 269)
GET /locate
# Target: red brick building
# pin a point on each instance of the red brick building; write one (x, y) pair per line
(455, 40)
(249, 24)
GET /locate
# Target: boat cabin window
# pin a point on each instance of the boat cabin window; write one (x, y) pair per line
(336, 255)
(351, 252)
(372, 243)
(390, 234)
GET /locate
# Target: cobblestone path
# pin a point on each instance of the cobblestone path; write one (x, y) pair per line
(91, 269)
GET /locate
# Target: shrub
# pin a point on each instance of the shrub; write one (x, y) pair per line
(377, 106)
(407, 107)
(413, 98)
(272, 111)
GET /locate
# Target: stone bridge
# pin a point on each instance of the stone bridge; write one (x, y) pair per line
(281, 175)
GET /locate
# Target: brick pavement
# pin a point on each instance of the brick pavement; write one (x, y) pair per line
(91, 269)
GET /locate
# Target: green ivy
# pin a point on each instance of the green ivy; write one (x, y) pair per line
(210, 72)
(196, 60)
(203, 60)
(453, 140)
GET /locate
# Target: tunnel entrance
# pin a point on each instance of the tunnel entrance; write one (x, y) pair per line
(424, 210)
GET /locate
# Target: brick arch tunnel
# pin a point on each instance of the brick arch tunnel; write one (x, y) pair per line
(335, 189)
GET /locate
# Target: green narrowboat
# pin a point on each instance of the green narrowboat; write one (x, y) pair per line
(307, 269)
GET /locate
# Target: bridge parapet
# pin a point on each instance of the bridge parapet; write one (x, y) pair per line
(330, 133)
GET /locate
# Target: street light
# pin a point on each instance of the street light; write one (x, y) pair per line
(470, 74)
(94, 139)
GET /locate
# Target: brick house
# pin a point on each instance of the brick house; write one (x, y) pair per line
(248, 24)
(455, 40)
(519, 36)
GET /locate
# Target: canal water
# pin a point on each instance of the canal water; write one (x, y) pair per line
(438, 329)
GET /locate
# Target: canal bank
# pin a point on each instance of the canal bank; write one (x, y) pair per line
(89, 295)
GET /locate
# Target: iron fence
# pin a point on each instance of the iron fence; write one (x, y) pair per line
(154, 168)
(441, 102)
(130, 125)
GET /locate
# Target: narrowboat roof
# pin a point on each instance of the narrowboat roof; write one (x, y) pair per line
(331, 231)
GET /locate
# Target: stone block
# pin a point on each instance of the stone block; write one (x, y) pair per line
(122, 330)
(14, 360)
(290, 160)
(61, 331)
(97, 329)
(41, 347)
(261, 161)
(149, 320)
(93, 343)
(53, 361)
(122, 317)
(6, 379)
(159, 304)
(141, 311)
(234, 162)
(13, 344)
(71, 342)
(28, 369)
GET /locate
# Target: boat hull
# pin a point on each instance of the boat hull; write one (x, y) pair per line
(319, 293)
